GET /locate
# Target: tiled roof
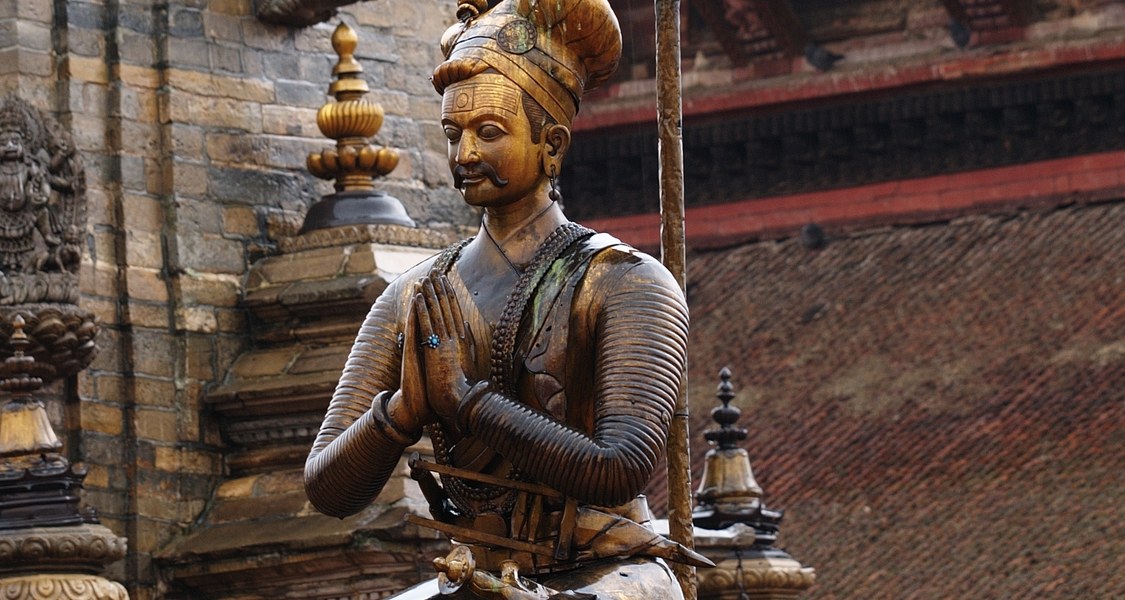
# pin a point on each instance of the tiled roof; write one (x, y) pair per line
(939, 410)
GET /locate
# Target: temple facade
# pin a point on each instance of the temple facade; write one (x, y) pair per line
(905, 234)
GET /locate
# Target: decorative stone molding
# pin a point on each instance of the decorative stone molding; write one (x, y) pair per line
(727, 580)
(82, 545)
(61, 336)
(397, 235)
(59, 586)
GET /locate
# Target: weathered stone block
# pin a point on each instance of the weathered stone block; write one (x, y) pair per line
(85, 15)
(9, 33)
(189, 179)
(146, 284)
(215, 112)
(230, 7)
(209, 253)
(280, 65)
(242, 487)
(85, 42)
(209, 288)
(267, 188)
(143, 248)
(265, 37)
(101, 283)
(156, 424)
(136, 16)
(35, 10)
(154, 353)
(199, 357)
(188, 52)
(311, 264)
(301, 93)
(147, 314)
(175, 459)
(317, 38)
(226, 58)
(231, 320)
(110, 387)
(199, 319)
(265, 362)
(317, 69)
(208, 84)
(289, 120)
(187, 141)
(103, 418)
(186, 22)
(218, 26)
(197, 216)
(104, 248)
(89, 134)
(96, 476)
(139, 105)
(133, 173)
(137, 49)
(241, 221)
(82, 68)
(143, 213)
(155, 391)
(139, 76)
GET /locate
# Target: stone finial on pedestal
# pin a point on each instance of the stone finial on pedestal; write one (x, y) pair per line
(733, 527)
(354, 163)
(49, 547)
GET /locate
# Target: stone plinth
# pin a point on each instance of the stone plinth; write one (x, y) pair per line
(747, 570)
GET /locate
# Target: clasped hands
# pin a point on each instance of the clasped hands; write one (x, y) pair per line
(438, 357)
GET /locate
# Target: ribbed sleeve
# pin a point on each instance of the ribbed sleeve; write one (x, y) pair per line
(358, 448)
(641, 341)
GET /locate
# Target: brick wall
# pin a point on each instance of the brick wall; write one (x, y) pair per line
(194, 120)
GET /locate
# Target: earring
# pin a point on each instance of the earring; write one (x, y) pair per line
(555, 195)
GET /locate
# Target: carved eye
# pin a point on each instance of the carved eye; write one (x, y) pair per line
(490, 132)
(452, 133)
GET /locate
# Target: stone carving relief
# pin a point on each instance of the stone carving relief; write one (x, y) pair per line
(42, 207)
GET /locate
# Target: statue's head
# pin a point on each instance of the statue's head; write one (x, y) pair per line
(514, 73)
(11, 132)
(11, 144)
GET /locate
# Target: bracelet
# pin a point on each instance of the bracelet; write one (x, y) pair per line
(468, 402)
(382, 421)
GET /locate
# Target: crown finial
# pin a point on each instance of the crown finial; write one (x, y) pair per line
(351, 120)
(726, 436)
(24, 426)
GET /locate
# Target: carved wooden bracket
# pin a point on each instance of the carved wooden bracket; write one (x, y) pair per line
(297, 13)
(753, 28)
(985, 15)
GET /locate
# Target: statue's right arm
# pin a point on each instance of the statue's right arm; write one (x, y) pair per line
(359, 444)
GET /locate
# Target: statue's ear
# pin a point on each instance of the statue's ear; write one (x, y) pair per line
(556, 139)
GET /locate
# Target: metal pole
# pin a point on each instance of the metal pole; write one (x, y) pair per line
(669, 116)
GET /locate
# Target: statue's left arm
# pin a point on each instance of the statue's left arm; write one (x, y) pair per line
(640, 327)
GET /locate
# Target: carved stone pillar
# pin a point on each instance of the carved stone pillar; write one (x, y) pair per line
(732, 525)
(50, 548)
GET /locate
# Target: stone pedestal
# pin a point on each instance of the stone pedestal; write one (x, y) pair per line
(734, 528)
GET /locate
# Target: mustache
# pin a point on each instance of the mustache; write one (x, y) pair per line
(462, 172)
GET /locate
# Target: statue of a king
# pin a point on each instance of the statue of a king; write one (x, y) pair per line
(542, 359)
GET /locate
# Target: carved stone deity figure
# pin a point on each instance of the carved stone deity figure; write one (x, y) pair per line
(35, 234)
(542, 359)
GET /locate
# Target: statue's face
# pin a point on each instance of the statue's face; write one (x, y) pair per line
(11, 144)
(493, 160)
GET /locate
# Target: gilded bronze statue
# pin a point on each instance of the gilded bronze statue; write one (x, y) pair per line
(543, 359)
